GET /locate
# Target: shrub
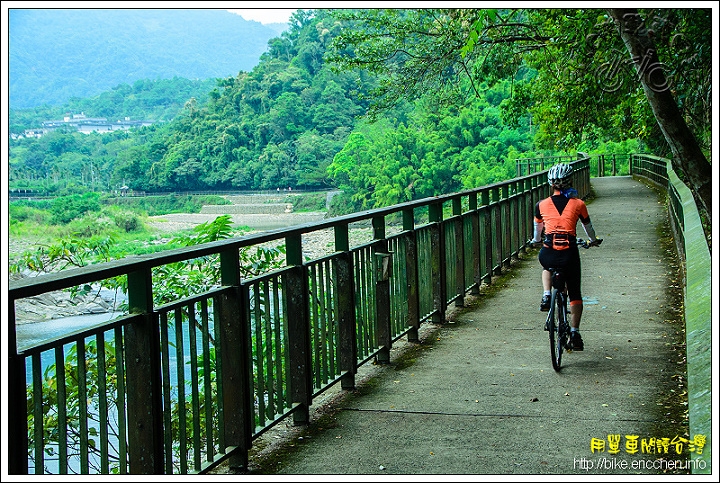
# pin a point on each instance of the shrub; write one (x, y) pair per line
(90, 225)
(19, 212)
(67, 208)
(162, 205)
(314, 202)
(127, 221)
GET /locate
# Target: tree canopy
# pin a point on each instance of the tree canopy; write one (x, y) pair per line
(571, 71)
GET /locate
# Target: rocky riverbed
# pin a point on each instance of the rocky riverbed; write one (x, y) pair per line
(61, 303)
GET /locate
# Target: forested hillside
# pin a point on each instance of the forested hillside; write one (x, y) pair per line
(282, 125)
(58, 54)
(160, 100)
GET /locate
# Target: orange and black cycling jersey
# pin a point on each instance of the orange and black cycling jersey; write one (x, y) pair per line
(560, 215)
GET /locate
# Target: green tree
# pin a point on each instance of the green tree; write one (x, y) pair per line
(688, 156)
(451, 52)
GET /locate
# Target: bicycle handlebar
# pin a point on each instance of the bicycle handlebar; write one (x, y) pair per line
(585, 244)
(580, 243)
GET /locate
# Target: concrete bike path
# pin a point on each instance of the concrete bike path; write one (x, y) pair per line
(479, 395)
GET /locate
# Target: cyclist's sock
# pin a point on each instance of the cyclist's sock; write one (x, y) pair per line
(547, 292)
(574, 329)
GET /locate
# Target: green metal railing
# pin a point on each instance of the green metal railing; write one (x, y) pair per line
(181, 387)
(692, 248)
(600, 165)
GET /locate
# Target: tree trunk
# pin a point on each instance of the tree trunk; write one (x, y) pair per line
(688, 158)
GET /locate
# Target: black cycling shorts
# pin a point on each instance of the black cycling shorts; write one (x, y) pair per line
(569, 261)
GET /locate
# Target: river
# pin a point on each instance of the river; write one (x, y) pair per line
(29, 335)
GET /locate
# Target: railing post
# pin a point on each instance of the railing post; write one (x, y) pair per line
(614, 165)
(475, 243)
(346, 308)
(541, 190)
(236, 361)
(144, 396)
(514, 219)
(506, 227)
(382, 266)
(413, 307)
(17, 402)
(460, 252)
(487, 236)
(298, 330)
(437, 261)
(523, 213)
(497, 234)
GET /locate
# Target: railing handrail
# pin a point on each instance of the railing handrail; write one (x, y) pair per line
(33, 286)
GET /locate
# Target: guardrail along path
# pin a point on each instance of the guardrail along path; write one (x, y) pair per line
(480, 396)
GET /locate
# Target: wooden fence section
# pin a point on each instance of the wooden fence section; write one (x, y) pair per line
(181, 387)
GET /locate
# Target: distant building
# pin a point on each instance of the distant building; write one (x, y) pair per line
(86, 125)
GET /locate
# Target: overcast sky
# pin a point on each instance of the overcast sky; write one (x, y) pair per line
(265, 15)
(277, 11)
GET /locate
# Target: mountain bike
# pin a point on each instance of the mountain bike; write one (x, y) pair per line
(557, 323)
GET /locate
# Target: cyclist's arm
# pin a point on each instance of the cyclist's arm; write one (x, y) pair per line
(586, 223)
(589, 231)
(538, 224)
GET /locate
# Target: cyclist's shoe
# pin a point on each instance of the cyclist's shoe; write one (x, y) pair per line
(545, 304)
(576, 342)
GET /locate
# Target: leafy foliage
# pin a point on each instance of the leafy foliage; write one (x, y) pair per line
(394, 104)
(582, 88)
(52, 423)
(435, 152)
(65, 253)
(157, 100)
(277, 126)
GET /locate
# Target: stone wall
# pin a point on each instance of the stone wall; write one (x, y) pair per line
(248, 209)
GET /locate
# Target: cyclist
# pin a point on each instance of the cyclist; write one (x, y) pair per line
(557, 215)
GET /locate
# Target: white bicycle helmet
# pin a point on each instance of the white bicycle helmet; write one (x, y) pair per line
(559, 175)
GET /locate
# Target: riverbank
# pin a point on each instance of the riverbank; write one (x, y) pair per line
(61, 303)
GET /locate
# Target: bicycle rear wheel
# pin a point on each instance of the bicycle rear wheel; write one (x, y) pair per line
(558, 336)
(553, 326)
(562, 329)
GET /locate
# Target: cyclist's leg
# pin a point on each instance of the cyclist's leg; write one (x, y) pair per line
(576, 306)
(574, 293)
(576, 310)
(546, 258)
(546, 280)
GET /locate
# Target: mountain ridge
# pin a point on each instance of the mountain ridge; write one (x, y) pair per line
(58, 54)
